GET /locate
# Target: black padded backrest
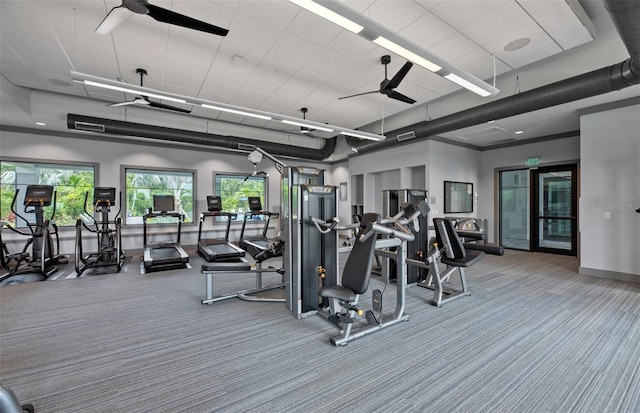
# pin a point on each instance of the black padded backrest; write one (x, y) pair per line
(449, 239)
(357, 269)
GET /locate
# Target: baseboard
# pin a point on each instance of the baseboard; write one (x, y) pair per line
(612, 275)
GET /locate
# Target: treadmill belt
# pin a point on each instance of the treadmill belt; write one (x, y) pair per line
(163, 254)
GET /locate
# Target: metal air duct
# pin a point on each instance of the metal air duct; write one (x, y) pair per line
(625, 15)
(116, 127)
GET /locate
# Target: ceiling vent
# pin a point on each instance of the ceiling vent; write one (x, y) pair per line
(480, 133)
(89, 127)
(406, 136)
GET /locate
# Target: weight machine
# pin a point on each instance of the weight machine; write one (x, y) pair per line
(109, 240)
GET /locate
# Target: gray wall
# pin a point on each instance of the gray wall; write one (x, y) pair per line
(610, 193)
(110, 156)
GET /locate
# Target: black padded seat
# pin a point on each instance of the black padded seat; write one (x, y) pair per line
(339, 292)
(470, 258)
(235, 266)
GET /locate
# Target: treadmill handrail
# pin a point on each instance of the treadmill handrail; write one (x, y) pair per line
(230, 217)
(152, 214)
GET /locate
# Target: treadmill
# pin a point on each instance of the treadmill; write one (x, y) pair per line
(217, 249)
(256, 244)
(165, 255)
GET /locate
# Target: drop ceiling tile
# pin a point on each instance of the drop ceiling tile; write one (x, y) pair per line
(275, 102)
(427, 31)
(80, 37)
(293, 50)
(37, 63)
(351, 45)
(251, 34)
(302, 83)
(141, 29)
(201, 45)
(22, 43)
(501, 24)
(22, 4)
(146, 54)
(395, 15)
(362, 73)
(534, 52)
(481, 64)
(21, 77)
(218, 91)
(86, 14)
(275, 14)
(177, 78)
(9, 58)
(429, 4)
(313, 28)
(95, 63)
(454, 47)
(328, 62)
(19, 20)
(462, 13)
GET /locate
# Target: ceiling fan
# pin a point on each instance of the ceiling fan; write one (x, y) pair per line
(387, 86)
(121, 13)
(144, 100)
(305, 129)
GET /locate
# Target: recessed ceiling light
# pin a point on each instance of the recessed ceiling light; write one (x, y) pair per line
(517, 44)
(518, 132)
(41, 124)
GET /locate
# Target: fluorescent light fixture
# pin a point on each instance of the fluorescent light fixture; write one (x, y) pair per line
(390, 40)
(237, 112)
(224, 107)
(129, 90)
(41, 124)
(518, 132)
(467, 85)
(330, 15)
(305, 125)
(407, 54)
(359, 135)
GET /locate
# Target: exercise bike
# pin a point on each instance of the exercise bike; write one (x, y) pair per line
(109, 251)
(43, 239)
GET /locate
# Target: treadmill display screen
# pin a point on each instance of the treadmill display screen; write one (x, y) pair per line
(163, 203)
(255, 204)
(214, 203)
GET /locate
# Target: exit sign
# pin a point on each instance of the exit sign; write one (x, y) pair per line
(535, 161)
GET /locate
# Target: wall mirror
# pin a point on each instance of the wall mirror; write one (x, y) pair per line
(458, 197)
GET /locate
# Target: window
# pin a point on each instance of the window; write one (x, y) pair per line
(70, 182)
(142, 184)
(235, 191)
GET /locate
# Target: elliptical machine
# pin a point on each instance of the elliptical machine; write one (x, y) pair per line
(43, 239)
(109, 251)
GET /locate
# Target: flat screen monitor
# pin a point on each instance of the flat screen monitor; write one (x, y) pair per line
(255, 204)
(163, 203)
(38, 195)
(214, 203)
(104, 196)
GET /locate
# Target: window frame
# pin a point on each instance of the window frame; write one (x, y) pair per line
(123, 184)
(57, 162)
(239, 176)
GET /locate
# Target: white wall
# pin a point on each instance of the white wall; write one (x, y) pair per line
(610, 187)
(514, 157)
(110, 156)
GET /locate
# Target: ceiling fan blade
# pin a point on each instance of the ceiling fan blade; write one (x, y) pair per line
(399, 96)
(359, 94)
(168, 16)
(115, 17)
(159, 105)
(135, 101)
(395, 81)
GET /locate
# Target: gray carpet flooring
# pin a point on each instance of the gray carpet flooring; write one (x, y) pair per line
(534, 336)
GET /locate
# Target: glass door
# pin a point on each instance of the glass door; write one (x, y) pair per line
(514, 209)
(554, 206)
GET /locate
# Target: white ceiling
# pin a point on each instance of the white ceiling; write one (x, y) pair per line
(280, 58)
